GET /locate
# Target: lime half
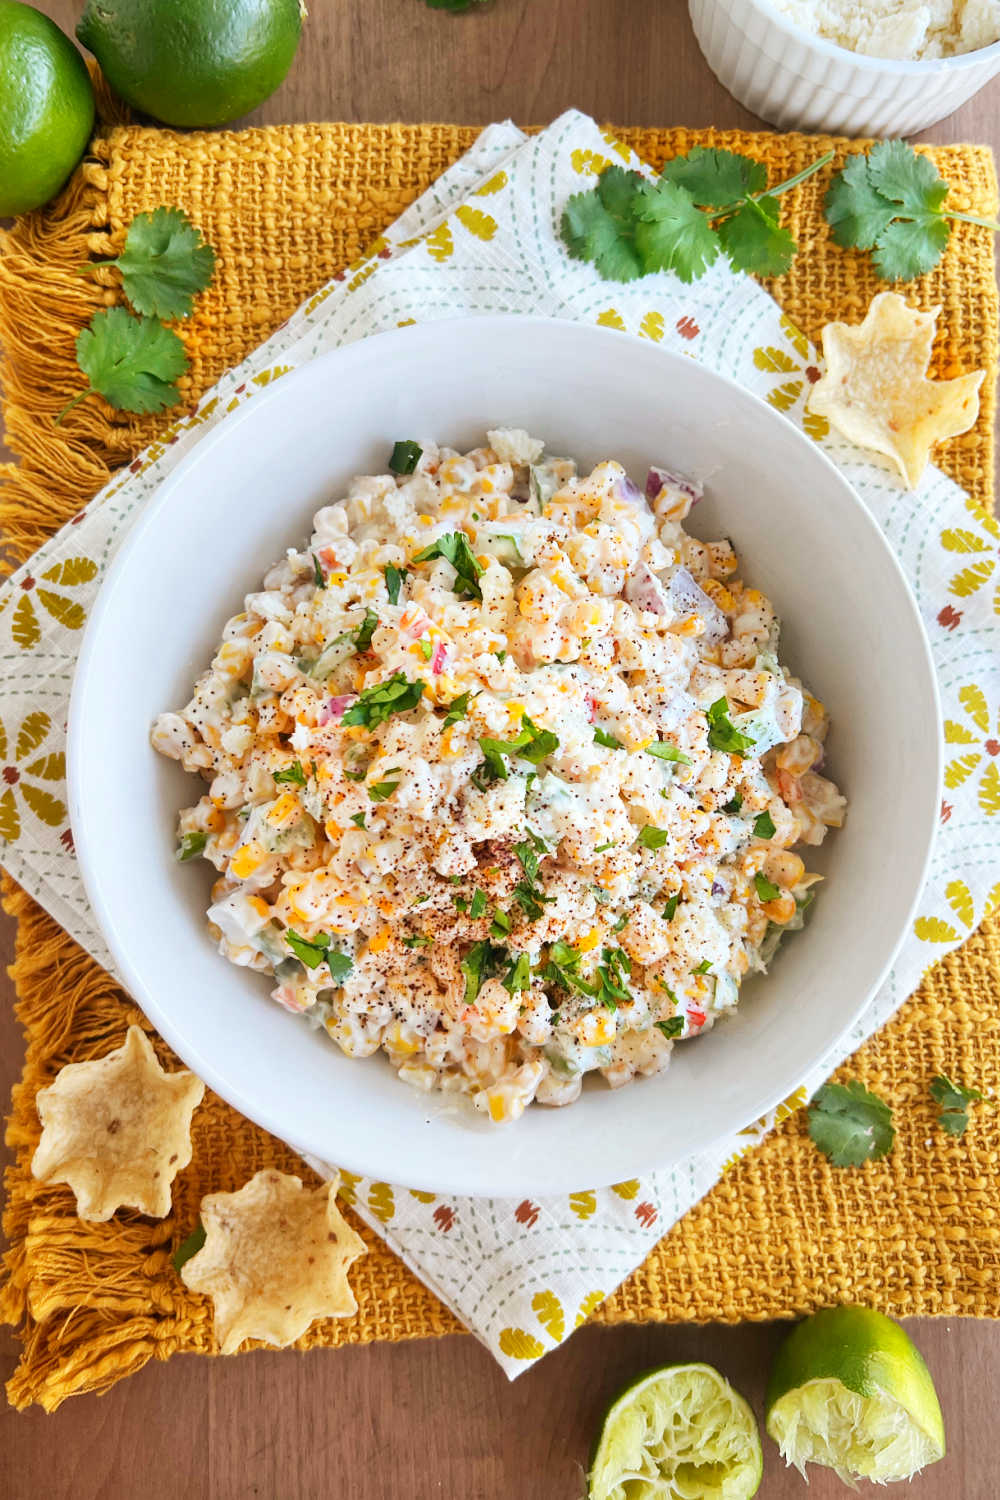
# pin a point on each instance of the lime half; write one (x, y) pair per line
(850, 1391)
(677, 1433)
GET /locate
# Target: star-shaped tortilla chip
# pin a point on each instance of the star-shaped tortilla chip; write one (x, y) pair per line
(875, 391)
(275, 1258)
(117, 1130)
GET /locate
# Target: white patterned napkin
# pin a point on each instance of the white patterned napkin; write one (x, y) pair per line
(484, 239)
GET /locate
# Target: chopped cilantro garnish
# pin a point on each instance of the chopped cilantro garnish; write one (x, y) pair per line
(663, 751)
(315, 951)
(518, 976)
(562, 967)
(378, 703)
(189, 1247)
(478, 905)
(602, 847)
(416, 942)
(456, 710)
(363, 635)
(703, 968)
(722, 732)
(765, 890)
(612, 974)
(420, 900)
(763, 826)
(394, 580)
(293, 773)
(609, 741)
(358, 819)
(734, 805)
(404, 457)
(849, 1124)
(954, 1100)
(319, 577)
(500, 925)
(621, 924)
(671, 907)
(454, 547)
(382, 790)
(355, 775)
(527, 894)
(651, 837)
(191, 845)
(426, 649)
(530, 742)
(670, 1028)
(481, 961)
(501, 656)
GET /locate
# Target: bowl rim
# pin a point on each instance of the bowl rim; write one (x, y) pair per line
(232, 1088)
(897, 66)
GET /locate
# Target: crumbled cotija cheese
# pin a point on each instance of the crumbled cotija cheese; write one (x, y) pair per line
(903, 29)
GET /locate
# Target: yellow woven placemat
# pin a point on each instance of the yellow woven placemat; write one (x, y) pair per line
(918, 1232)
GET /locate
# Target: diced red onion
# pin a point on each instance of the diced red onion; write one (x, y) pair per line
(627, 490)
(657, 479)
(717, 888)
(335, 708)
(645, 591)
(688, 599)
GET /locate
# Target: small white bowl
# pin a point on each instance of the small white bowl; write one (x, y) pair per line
(249, 490)
(799, 81)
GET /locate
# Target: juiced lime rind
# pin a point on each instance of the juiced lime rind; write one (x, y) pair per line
(885, 1420)
(859, 1437)
(679, 1432)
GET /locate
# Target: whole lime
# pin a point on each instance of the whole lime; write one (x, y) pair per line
(46, 108)
(192, 62)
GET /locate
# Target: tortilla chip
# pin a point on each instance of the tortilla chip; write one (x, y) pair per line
(117, 1130)
(275, 1258)
(875, 391)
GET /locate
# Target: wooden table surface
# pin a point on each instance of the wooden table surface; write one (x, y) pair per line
(437, 1418)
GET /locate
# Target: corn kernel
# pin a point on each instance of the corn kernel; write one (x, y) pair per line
(248, 859)
(590, 941)
(284, 811)
(380, 941)
(497, 1107)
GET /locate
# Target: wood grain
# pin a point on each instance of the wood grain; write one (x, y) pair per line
(437, 1419)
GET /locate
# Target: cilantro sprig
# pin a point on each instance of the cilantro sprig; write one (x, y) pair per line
(722, 732)
(318, 950)
(455, 547)
(131, 359)
(954, 1100)
(164, 265)
(850, 1125)
(527, 893)
(891, 202)
(530, 742)
(378, 703)
(704, 204)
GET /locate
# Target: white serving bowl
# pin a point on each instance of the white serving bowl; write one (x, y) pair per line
(249, 490)
(799, 81)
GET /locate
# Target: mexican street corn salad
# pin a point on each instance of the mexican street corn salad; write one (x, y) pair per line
(505, 774)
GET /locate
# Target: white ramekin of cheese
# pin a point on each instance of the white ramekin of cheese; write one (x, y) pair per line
(797, 79)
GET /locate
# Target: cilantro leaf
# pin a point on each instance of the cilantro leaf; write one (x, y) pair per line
(164, 264)
(651, 837)
(456, 710)
(365, 631)
(188, 1247)
(292, 774)
(454, 547)
(855, 210)
(670, 1028)
(612, 976)
(358, 819)
(850, 1125)
(904, 176)
(672, 233)
(664, 751)
(190, 846)
(763, 827)
(319, 577)
(716, 179)
(378, 703)
(766, 891)
(599, 226)
(480, 963)
(530, 742)
(527, 894)
(722, 732)
(133, 362)
(703, 968)
(394, 580)
(755, 241)
(734, 805)
(609, 741)
(954, 1100)
(478, 904)
(518, 976)
(405, 457)
(908, 248)
(318, 950)
(669, 911)
(500, 925)
(382, 790)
